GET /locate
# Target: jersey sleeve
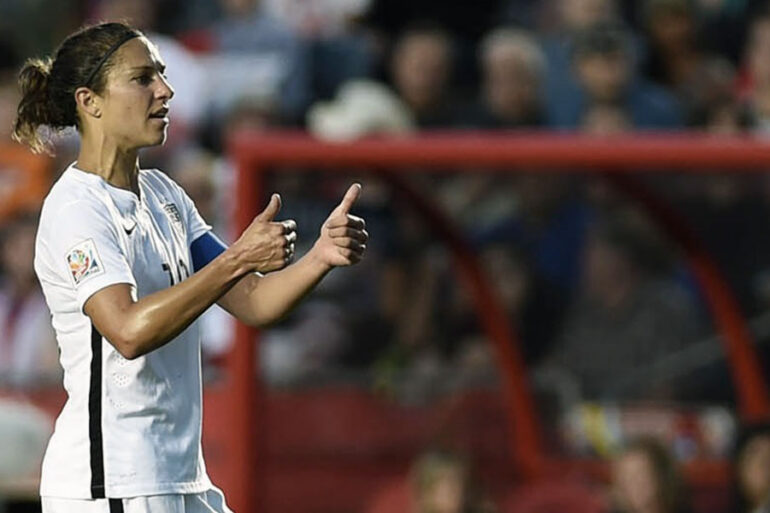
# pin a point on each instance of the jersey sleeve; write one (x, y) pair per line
(84, 245)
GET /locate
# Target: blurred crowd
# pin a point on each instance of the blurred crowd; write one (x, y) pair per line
(644, 478)
(604, 306)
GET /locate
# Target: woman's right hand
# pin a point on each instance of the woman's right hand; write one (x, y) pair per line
(267, 245)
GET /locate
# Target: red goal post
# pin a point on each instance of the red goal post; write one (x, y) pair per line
(255, 153)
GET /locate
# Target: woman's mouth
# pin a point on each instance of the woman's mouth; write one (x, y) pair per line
(161, 115)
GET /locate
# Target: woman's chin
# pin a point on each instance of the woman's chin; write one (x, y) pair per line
(157, 139)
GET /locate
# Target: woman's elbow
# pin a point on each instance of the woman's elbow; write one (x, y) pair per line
(258, 322)
(130, 353)
(127, 348)
(254, 317)
(260, 319)
(128, 344)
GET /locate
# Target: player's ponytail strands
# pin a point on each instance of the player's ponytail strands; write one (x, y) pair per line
(48, 85)
(33, 109)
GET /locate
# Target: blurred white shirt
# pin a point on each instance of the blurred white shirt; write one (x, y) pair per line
(27, 340)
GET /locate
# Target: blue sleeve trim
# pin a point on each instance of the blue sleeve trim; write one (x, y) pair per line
(204, 249)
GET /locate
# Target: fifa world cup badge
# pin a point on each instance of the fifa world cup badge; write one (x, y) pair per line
(83, 261)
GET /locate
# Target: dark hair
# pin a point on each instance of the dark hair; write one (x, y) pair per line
(655, 7)
(672, 491)
(423, 29)
(48, 84)
(604, 38)
(431, 464)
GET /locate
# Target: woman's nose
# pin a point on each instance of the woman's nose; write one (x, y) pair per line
(165, 91)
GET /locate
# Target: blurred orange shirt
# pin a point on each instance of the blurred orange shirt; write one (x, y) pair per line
(24, 179)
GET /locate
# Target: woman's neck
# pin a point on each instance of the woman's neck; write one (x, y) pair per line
(116, 166)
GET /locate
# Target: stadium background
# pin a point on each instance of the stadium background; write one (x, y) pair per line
(568, 230)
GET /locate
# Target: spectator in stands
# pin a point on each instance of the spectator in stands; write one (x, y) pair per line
(421, 65)
(534, 241)
(513, 67)
(627, 315)
(675, 59)
(255, 111)
(340, 48)
(646, 479)
(603, 119)
(258, 55)
(603, 65)
(572, 17)
(725, 117)
(441, 483)
(9, 94)
(752, 470)
(549, 226)
(673, 54)
(509, 271)
(322, 19)
(757, 91)
(28, 351)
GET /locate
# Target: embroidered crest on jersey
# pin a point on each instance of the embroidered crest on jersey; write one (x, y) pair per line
(173, 213)
(84, 261)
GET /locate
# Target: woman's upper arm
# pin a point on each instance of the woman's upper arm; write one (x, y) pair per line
(108, 309)
(83, 248)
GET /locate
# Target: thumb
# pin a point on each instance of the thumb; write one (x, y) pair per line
(350, 197)
(271, 210)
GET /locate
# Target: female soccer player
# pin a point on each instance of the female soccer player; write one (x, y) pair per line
(127, 265)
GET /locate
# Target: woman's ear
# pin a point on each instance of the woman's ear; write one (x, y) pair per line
(88, 102)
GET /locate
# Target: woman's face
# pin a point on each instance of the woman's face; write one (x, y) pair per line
(754, 471)
(17, 252)
(635, 483)
(759, 53)
(446, 494)
(134, 105)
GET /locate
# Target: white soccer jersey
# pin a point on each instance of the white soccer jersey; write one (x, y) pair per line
(129, 427)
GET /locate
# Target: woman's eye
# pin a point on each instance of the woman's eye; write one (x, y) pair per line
(144, 79)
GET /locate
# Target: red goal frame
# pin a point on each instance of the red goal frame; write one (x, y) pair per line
(255, 153)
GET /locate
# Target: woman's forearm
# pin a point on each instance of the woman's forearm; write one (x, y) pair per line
(136, 328)
(263, 300)
(260, 300)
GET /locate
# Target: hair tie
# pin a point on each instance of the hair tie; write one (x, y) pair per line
(126, 37)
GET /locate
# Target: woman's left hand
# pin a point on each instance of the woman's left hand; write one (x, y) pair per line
(343, 237)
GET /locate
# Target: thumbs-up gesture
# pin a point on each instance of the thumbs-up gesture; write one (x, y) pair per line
(343, 238)
(267, 245)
